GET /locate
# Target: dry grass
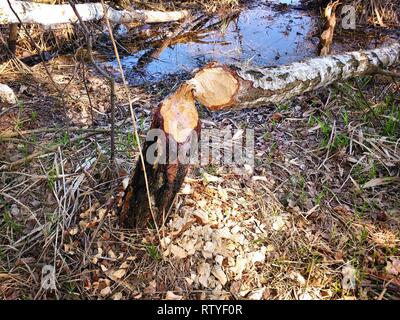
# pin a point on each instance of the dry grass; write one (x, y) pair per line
(379, 12)
(322, 199)
(307, 203)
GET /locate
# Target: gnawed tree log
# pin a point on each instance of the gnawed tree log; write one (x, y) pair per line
(227, 87)
(48, 14)
(178, 123)
(220, 87)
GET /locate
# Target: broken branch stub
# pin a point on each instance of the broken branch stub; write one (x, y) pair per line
(326, 38)
(165, 157)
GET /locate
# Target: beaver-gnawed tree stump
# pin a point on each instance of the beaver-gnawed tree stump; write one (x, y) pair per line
(175, 126)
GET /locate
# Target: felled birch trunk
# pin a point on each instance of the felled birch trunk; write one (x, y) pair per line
(49, 14)
(221, 87)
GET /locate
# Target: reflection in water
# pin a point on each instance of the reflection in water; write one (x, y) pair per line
(255, 36)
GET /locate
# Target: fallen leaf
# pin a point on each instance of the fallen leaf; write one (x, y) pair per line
(105, 292)
(73, 231)
(103, 268)
(219, 274)
(259, 256)
(201, 216)
(117, 296)
(14, 210)
(393, 267)
(125, 183)
(119, 273)
(178, 252)
(305, 296)
(276, 117)
(208, 250)
(239, 267)
(186, 189)
(204, 271)
(102, 213)
(210, 178)
(151, 289)
(257, 294)
(111, 254)
(219, 259)
(138, 296)
(278, 224)
(172, 296)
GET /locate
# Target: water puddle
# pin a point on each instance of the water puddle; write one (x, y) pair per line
(262, 36)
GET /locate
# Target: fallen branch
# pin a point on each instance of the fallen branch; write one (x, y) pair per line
(14, 134)
(49, 14)
(40, 153)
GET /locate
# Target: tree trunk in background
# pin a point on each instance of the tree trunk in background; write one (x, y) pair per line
(12, 38)
(220, 87)
(48, 14)
(177, 121)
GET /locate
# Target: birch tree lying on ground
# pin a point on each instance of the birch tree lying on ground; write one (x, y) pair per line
(222, 87)
(49, 14)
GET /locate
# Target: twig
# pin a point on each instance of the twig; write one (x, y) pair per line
(87, 92)
(48, 130)
(388, 73)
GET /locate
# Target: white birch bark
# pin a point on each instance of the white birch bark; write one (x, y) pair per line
(226, 87)
(49, 14)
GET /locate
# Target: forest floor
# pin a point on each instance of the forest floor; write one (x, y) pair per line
(318, 217)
